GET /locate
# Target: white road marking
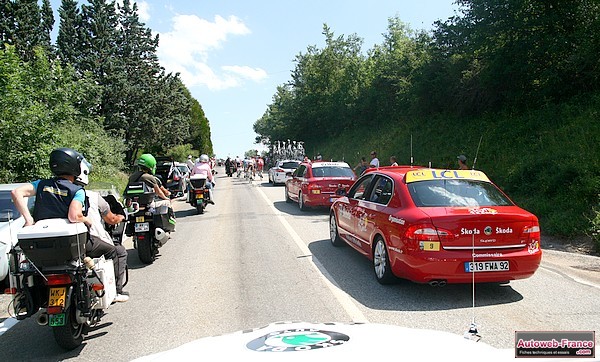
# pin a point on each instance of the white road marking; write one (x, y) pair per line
(343, 298)
(7, 324)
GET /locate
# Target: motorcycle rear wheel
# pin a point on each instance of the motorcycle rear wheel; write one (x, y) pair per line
(144, 248)
(200, 208)
(69, 336)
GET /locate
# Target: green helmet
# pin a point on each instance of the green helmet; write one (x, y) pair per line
(148, 161)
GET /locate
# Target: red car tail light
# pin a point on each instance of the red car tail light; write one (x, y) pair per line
(58, 279)
(531, 232)
(279, 170)
(426, 232)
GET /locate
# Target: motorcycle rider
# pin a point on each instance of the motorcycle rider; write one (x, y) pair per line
(57, 197)
(100, 210)
(61, 197)
(145, 173)
(202, 167)
(227, 163)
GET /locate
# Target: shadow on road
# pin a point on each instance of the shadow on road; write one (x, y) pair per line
(134, 262)
(292, 209)
(354, 274)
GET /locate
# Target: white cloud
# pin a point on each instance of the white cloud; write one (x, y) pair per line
(143, 11)
(255, 74)
(185, 49)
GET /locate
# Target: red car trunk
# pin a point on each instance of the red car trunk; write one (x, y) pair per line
(486, 227)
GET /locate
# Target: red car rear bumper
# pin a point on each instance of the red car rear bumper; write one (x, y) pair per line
(324, 199)
(423, 266)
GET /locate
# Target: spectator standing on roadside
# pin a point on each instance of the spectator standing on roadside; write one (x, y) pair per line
(393, 161)
(361, 167)
(462, 162)
(190, 163)
(374, 160)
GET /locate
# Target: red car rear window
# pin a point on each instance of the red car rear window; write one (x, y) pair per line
(456, 193)
(332, 171)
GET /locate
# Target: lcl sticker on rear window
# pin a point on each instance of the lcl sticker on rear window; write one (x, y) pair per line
(426, 175)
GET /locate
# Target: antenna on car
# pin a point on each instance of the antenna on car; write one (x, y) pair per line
(476, 153)
(411, 151)
(472, 333)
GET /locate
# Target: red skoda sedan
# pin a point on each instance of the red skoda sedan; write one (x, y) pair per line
(436, 226)
(318, 183)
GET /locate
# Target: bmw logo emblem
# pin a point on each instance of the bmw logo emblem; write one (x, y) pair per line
(488, 230)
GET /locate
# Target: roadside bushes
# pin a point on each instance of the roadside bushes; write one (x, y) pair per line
(44, 106)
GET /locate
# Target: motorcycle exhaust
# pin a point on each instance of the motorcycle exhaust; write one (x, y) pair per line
(42, 319)
(161, 236)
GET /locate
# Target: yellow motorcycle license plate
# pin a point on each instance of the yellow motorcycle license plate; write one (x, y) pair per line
(199, 196)
(57, 297)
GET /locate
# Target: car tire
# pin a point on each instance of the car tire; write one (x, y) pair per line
(301, 205)
(381, 263)
(287, 196)
(334, 235)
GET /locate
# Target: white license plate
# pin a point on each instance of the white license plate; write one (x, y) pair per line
(487, 266)
(142, 227)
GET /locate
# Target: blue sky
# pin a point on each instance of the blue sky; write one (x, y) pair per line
(233, 54)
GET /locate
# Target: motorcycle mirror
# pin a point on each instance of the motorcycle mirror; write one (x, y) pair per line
(132, 209)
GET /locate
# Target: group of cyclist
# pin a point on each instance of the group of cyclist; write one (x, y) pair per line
(250, 167)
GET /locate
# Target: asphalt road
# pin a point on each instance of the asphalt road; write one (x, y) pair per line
(252, 259)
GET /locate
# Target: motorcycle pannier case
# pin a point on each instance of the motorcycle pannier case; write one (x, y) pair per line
(53, 242)
(106, 272)
(140, 190)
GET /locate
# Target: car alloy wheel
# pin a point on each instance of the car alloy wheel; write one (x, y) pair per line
(381, 263)
(334, 236)
(301, 201)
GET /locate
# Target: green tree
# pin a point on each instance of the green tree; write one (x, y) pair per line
(39, 112)
(275, 124)
(7, 22)
(69, 39)
(199, 127)
(392, 72)
(46, 26)
(28, 32)
(520, 53)
(325, 83)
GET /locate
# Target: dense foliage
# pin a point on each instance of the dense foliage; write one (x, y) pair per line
(513, 82)
(99, 89)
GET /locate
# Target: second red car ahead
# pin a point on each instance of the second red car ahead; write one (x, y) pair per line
(318, 183)
(436, 226)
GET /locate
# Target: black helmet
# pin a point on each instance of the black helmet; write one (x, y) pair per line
(65, 161)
